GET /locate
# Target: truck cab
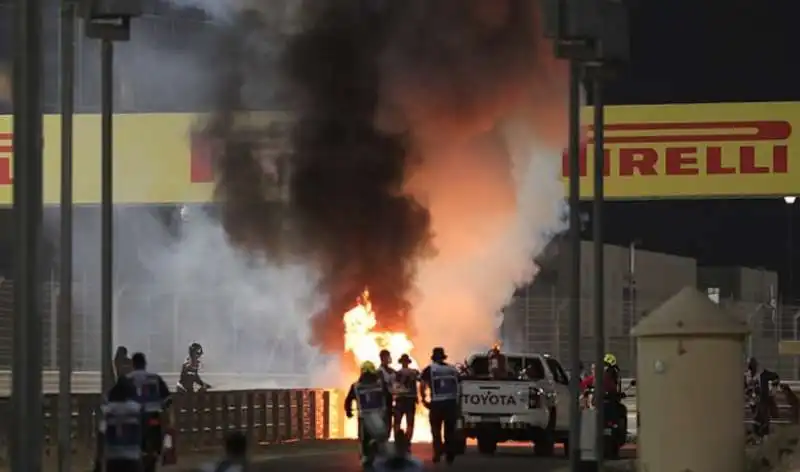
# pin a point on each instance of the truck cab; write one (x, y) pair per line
(518, 402)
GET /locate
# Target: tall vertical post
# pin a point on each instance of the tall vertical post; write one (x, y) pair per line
(632, 306)
(599, 263)
(64, 330)
(790, 247)
(26, 394)
(575, 262)
(107, 210)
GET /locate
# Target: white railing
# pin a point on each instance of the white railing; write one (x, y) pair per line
(90, 382)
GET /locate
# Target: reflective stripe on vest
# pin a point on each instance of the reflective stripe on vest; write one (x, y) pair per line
(122, 426)
(444, 383)
(148, 393)
(370, 397)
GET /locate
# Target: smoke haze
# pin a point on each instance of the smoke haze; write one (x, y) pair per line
(423, 163)
(250, 313)
(425, 160)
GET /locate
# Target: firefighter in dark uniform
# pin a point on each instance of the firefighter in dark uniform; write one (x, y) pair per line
(189, 371)
(387, 375)
(442, 380)
(370, 394)
(405, 390)
(121, 429)
(152, 393)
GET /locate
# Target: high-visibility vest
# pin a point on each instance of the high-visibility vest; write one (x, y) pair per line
(444, 382)
(405, 383)
(122, 428)
(148, 391)
(371, 397)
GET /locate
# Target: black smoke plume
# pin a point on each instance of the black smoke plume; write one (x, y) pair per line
(385, 96)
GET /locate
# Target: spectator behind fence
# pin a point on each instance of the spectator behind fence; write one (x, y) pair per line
(122, 363)
(235, 459)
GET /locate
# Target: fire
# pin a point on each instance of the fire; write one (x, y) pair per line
(365, 344)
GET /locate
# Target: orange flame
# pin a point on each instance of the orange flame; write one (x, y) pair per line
(365, 344)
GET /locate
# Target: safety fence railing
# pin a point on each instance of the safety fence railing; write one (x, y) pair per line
(788, 410)
(199, 421)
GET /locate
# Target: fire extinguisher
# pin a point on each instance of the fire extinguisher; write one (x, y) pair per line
(169, 455)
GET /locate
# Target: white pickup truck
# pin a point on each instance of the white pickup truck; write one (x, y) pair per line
(498, 410)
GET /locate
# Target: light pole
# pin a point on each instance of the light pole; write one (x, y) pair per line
(593, 36)
(790, 200)
(68, 18)
(26, 380)
(108, 21)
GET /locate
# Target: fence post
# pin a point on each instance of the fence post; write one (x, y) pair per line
(300, 413)
(286, 400)
(277, 431)
(225, 412)
(312, 419)
(250, 402)
(326, 414)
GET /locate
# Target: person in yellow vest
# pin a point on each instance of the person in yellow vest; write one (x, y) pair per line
(371, 394)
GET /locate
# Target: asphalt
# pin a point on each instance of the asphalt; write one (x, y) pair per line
(514, 458)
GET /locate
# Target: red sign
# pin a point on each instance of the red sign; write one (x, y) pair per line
(700, 150)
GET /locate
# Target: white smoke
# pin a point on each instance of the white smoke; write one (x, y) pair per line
(177, 278)
(488, 228)
(246, 311)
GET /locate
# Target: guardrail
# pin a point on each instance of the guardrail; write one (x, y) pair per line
(201, 420)
(786, 412)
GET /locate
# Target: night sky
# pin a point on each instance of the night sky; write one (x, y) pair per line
(686, 51)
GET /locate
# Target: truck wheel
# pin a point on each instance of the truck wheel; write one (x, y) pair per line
(487, 444)
(545, 444)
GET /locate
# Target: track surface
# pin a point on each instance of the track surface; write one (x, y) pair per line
(516, 458)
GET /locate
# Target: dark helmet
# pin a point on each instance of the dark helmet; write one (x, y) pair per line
(195, 350)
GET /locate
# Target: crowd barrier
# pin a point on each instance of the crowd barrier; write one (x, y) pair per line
(201, 420)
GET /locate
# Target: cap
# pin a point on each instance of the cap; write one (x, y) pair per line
(404, 358)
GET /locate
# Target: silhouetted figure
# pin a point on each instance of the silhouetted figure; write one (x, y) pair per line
(122, 363)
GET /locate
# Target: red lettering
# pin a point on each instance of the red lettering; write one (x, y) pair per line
(714, 162)
(780, 159)
(679, 160)
(705, 157)
(6, 150)
(747, 162)
(640, 161)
